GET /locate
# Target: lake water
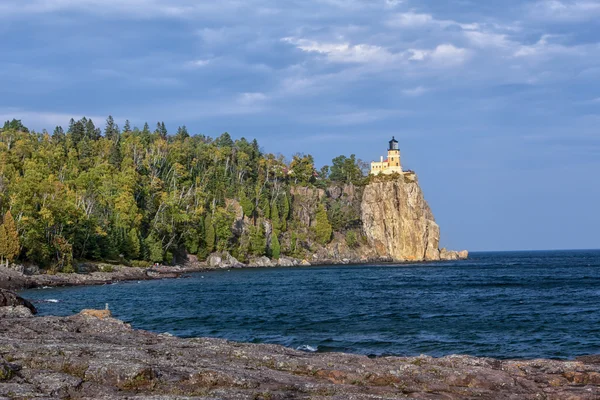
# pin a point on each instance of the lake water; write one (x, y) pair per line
(505, 305)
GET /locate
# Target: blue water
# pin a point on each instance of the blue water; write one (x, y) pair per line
(506, 305)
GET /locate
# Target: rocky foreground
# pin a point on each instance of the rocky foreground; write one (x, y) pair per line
(93, 356)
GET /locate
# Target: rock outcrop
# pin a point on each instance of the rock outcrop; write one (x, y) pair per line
(10, 299)
(398, 222)
(80, 357)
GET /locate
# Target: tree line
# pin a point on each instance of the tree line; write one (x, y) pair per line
(141, 196)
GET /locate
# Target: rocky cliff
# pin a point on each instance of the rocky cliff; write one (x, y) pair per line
(394, 221)
(398, 222)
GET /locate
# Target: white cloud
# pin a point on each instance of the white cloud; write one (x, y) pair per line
(416, 91)
(444, 55)
(119, 8)
(197, 63)
(251, 98)
(572, 10)
(411, 20)
(486, 39)
(545, 47)
(344, 52)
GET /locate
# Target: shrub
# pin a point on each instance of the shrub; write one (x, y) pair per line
(351, 239)
(141, 264)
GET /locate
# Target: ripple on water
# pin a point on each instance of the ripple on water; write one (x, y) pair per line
(506, 305)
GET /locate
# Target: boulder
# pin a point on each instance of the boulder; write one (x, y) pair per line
(100, 314)
(287, 262)
(10, 299)
(451, 255)
(223, 260)
(263, 261)
(15, 312)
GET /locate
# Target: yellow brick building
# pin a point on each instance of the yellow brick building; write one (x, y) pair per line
(392, 164)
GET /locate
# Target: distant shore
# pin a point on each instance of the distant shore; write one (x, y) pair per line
(19, 277)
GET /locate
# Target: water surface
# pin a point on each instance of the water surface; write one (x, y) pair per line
(506, 305)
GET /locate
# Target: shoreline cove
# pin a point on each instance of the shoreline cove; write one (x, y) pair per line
(13, 278)
(91, 357)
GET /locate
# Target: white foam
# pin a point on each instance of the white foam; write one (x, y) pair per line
(52, 301)
(308, 348)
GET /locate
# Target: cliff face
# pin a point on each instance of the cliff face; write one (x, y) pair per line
(395, 221)
(398, 222)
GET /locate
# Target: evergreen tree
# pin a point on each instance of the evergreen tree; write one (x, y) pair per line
(323, 229)
(258, 241)
(224, 140)
(111, 131)
(285, 212)
(76, 131)
(223, 220)
(91, 131)
(275, 220)
(115, 154)
(275, 246)
(154, 248)
(127, 127)
(182, 133)
(133, 245)
(209, 234)
(15, 125)
(58, 136)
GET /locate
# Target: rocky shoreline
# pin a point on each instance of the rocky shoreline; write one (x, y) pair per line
(94, 356)
(19, 277)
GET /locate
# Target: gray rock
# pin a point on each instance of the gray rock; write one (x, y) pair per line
(287, 262)
(10, 299)
(261, 262)
(223, 260)
(15, 312)
(90, 358)
(451, 255)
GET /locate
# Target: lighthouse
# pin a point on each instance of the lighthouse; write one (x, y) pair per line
(392, 164)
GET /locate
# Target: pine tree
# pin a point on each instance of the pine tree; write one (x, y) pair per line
(58, 136)
(258, 241)
(76, 131)
(182, 133)
(154, 248)
(12, 246)
(275, 246)
(133, 245)
(111, 131)
(209, 233)
(323, 229)
(275, 220)
(91, 131)
(285, 212)
(127, 127)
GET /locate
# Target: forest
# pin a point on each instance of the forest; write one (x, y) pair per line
(141, 196)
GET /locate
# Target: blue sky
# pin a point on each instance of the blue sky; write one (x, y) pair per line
(496, 104)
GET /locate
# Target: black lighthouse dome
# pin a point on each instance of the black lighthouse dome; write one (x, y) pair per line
(393, 144)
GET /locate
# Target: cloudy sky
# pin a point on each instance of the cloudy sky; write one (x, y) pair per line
(496, 104)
